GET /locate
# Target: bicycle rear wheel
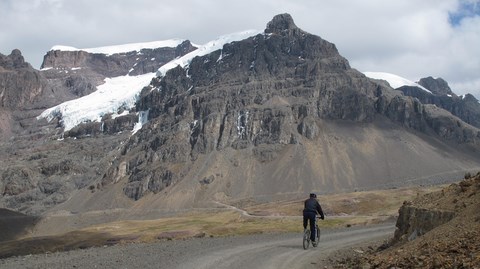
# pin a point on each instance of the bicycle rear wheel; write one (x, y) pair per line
(306, 238)
(318, 235)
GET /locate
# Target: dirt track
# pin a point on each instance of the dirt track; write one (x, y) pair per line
(255, 251)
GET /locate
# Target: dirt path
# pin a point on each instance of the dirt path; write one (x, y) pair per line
(255, 251)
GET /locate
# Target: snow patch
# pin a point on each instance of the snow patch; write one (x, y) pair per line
(394, 80)
(124, 113)
(142, 120)
(109, 50)
(242, 122)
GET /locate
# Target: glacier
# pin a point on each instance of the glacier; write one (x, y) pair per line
(117, 94)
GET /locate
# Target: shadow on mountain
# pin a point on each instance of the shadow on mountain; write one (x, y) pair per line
(59, 243)
(14, 224)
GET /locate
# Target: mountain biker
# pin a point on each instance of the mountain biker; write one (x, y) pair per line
(309, 214)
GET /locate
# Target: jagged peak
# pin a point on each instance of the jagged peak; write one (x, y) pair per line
(280, 23)
(470, 97)
(16, 53)
(14, 61)
(436, 85)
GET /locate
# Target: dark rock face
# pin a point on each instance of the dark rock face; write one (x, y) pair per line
(466, 108)
(437, 86)
(413, 222)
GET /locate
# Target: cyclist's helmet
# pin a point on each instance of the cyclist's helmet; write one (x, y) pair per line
(313, 195)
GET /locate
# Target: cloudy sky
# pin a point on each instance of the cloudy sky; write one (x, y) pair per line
(410, 38)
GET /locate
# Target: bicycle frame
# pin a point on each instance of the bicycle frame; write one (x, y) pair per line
(307, 233)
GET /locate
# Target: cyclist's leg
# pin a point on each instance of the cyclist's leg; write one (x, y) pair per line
(313, 234)
(305, 220)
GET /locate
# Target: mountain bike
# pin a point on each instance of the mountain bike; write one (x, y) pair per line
(306, 236)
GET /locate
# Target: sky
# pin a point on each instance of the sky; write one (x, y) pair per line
(409, 38)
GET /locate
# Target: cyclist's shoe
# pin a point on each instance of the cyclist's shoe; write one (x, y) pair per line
(314, 244)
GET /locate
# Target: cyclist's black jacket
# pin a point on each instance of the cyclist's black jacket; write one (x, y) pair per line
(312, 206)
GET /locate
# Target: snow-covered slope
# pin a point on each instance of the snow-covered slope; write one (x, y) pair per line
(109, 50)
(394, 80)
(110, 97)
(121, 93)
(206, 49)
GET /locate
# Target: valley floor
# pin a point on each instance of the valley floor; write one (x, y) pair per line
(275, 250)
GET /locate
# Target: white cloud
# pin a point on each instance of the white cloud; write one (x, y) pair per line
(410, 38)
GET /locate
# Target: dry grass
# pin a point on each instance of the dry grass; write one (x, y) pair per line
(342, 210)
(378, 203)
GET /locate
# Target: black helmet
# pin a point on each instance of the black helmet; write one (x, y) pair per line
(313, 195)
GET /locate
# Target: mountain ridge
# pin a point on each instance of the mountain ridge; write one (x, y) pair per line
(278, 114)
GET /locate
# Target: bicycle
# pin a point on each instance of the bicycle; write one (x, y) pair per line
(306, 236)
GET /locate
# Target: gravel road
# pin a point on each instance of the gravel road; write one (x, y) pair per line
(253, 251)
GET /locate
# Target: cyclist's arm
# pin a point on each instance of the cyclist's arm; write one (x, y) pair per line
(320, 211)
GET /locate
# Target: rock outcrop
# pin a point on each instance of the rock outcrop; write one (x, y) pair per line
(20, 84)
(435, 230)
(438, 86)
(425, 213)
(447, 240)
(413, 221)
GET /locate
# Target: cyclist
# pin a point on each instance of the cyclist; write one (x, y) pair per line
(312, 207)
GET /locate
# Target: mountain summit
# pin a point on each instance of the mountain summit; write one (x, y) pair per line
(280, 23)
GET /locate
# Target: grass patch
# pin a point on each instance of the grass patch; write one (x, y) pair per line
(366, 203)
